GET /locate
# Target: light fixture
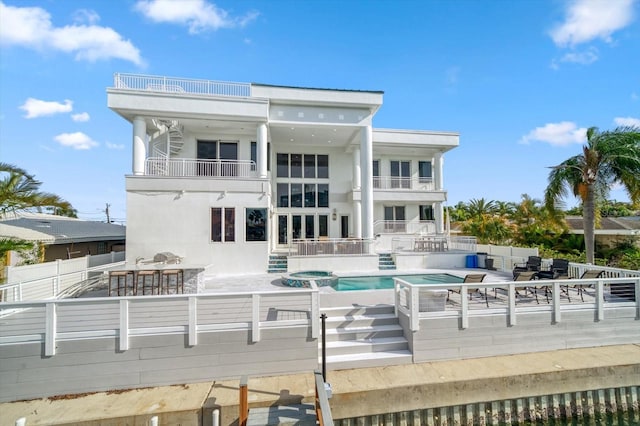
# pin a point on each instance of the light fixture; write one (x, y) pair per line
(334, 215)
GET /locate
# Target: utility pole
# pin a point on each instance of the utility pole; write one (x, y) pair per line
(107, 212)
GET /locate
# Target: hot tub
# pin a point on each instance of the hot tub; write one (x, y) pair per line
(303, 279)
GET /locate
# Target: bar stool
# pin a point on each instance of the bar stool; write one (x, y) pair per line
(143, 283)
(121, 278)
(165, 285)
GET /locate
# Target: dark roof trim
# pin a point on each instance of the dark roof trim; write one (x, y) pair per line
(319, 88)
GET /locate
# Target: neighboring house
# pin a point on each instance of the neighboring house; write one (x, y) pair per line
(611, 231)
(225, 174)
(64, 237)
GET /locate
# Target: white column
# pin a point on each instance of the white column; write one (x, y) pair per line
(366, 166)
(139, 145)
(357, 219)
(262, 150)
(438, 215)
(356, 169)
(438, 162)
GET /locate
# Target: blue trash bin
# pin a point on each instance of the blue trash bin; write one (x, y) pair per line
(472, 261)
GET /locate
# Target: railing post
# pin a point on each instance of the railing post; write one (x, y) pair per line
(124, 325)
(512, 305)
(414, 308)
(637, 298)
(315, 312)
(464, 306)
(193, 321)
(555, 296)
(323, 319)
(255, 318)
(599, 300)
(50, 329)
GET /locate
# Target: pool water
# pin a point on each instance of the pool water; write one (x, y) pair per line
(381, 282)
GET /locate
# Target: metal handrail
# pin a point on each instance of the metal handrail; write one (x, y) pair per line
(175, 85)
(404, 227)
(330, 247)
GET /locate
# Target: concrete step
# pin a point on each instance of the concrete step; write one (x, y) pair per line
(374, 345)
(363, 333)
(361, 320)
(357, 310)
(373, 359)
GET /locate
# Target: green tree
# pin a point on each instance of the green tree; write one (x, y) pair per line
(20, 191)
(609, 157)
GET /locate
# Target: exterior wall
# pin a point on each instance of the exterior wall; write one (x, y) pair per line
(181, 223)
(96, 364)
(489, 335)
(362, 263)
(59, 251)
(406, 261)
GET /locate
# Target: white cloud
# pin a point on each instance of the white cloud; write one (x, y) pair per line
(585, 58)
(634, 96)
(587, 20)
(558, 134)
(77, 140)
(38, 108)
(627, 121)
(81, 117)
(86, 16)
(114, 145)
(31, 27)
(198, 15)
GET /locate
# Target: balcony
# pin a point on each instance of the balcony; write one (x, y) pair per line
(180, 85)
(189, 167)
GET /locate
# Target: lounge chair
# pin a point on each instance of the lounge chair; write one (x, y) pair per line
(526, 276)
(533, 264)
(472, 278)
(587, 275)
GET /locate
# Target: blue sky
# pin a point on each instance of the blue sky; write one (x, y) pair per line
(519, 80)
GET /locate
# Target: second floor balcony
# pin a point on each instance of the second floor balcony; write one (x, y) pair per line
(190, 167)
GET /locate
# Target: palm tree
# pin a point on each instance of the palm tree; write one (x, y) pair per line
(608, 158)
(19, 191)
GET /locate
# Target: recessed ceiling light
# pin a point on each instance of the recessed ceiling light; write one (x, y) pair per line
(329, 141)
(312, 135)
(291, 139)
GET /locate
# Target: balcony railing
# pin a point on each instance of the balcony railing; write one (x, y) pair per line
(403, 183)
(187, 167)
(330, 247)
(404, 227)
(180, 85)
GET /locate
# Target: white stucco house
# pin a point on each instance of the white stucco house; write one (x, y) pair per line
(228, 174)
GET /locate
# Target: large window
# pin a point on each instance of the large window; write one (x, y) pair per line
(424, 170)
(298, 186)
(217, 150)
(307, 166)
(400, 174)
(256, 225)
(223, 224)
(426, 213)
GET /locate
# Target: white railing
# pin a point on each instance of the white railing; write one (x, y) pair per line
(420, 302)
(433, 243)
(181, 85)
(123, 317)
(403, 183)
(404, 227)
(48, 280)
(50, 287)
(187, 167)
(330, 247)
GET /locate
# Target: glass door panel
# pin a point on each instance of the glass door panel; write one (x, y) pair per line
(283, 229)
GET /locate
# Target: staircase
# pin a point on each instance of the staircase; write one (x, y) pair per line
(364, 336)
(277, 264)
(385, 262)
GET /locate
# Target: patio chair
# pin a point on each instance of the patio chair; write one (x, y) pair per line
(533, 263)
(559, 270)
(472, 278)
(588, 274)
(526, 276)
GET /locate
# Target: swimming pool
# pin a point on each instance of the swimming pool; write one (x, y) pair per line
(380, 282)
